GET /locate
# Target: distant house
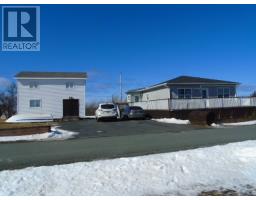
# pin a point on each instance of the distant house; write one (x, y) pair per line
(58, 93)
(184, 87)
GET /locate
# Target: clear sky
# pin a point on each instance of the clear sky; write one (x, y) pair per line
(147, 43)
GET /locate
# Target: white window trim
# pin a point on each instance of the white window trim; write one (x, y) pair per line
(223, 88)
(35, 107)
(68, 84)
(33, 83)
(184, 92)
(191, 89)
(136, 96)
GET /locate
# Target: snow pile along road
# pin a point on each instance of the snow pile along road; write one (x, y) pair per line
(246, 123)
(55, 134)
(172, 121)
(190, 172)
(240, 123)
(90, 117)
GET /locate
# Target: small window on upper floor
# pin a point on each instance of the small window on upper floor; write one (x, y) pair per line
(33, 85)
(70, 85)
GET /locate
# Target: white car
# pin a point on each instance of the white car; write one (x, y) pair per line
(106, 111)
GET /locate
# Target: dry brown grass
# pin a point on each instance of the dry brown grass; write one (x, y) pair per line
(4, 125)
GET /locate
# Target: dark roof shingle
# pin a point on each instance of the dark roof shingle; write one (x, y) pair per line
(186, 80)
(29, 74)
(193, 80)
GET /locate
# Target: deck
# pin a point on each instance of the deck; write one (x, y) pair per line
(191, 104)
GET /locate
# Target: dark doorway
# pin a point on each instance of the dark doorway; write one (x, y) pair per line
(70, 107)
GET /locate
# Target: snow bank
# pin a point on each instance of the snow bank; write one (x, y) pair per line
(55, 134)
(216, 125)
(188, 172)
(27, 118)
(240, 123)
(90, 117)
(172, 121)
(234, 124)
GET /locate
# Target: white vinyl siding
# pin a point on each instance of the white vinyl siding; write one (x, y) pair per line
(163, 93)
(51, 92)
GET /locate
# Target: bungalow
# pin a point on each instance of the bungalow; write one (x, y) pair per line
(185, 92)
(184, 87)
(60, 94)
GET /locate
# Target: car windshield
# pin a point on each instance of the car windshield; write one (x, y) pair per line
(136, 108)
(107, 106)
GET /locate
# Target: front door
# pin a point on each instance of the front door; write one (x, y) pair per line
(70, 107)
(204, 93)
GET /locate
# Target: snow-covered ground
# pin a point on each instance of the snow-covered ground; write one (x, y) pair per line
(55, 134)
(90, 117)
(246, 123)
(230, 166)
(253, 122)
(172, 121)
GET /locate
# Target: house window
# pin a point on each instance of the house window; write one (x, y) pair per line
(196, 93)
(220, 92)
(69, 85)
(33, 85)
(188, 94)
(35, 103)
(136, 98)
(181, 93)
(223, 92)
(184, 93)
(226, 92)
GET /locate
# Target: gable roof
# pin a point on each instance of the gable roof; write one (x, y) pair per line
(29, 74)
(186, 80)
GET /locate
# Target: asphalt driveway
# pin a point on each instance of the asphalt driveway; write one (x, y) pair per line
(112, 140)
(92, 128)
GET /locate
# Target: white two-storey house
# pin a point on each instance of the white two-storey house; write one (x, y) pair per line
(60, 94)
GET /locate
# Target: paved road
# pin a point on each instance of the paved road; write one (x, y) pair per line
(84, 148)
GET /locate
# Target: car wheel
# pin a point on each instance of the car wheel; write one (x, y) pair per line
(148, 117)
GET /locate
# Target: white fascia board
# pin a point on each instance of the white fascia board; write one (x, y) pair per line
(153, 87)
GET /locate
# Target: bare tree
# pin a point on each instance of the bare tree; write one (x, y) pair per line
(8, 101)
(253, 94)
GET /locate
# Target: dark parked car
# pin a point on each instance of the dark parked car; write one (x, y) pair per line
(133, 112)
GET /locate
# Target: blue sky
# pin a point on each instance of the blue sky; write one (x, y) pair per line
(147, 43)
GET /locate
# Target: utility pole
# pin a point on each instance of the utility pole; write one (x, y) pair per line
(121, 89)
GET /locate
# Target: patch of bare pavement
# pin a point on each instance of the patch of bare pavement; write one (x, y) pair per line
(248, 191)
